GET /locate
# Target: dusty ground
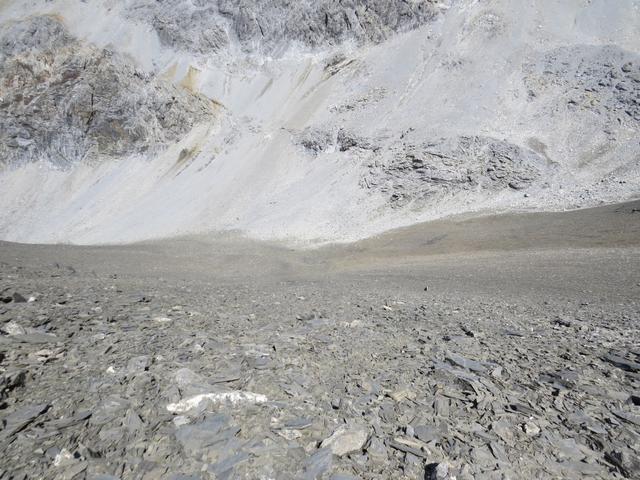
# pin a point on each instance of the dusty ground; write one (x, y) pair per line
(500, 347)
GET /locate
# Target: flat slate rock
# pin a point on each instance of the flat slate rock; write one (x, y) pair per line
(19, 419)
(33, 338)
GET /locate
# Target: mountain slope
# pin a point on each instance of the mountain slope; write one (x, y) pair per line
(309, 121)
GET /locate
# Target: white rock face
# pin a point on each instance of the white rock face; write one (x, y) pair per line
(307, 122)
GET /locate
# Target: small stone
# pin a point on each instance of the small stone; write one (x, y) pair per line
(11, 380)
(627, 464)
(437, 471)
(622, 363)
(402, 394)
(74, 470)
(63, 458)
(14, 297)
(426, 433)
(463, 362)
(138, 364)
(298, 423)
(563, 322)
(628, 417)
(16, 421)
(410, 445)
(52, 452)
(230, 398)
(13, 328)
(346, 440)
(35, 338)
(132, 422)
(289, 434)
(441, 406)
(467, 331)
(180, 420)
(17, 298)
(317, 464)
(42, 355)
(530, 429)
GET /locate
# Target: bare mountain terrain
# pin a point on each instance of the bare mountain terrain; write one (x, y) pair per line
(491, 348)
(323, 240)
(309, 122)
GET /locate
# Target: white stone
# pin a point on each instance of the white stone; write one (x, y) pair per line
(13, 328)
(63, 458)
(234, 397)
(346, 440)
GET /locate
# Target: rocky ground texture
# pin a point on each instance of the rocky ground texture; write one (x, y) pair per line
(309, 121)
(172, 362)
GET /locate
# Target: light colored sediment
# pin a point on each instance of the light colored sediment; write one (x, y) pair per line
(320, 132)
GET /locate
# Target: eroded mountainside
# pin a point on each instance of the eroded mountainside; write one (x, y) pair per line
(309, 121)
(66, 102)
(501, 347)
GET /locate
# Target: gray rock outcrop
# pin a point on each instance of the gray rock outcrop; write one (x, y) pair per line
(268, 26)
(65, 101)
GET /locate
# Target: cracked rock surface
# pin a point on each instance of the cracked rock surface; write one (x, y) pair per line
(269, 26)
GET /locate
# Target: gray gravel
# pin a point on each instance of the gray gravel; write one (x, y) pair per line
(201, 358)
(271, 27)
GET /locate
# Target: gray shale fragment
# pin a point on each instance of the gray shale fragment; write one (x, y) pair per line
(622, 363)
(463, 362)
(16, 421)
(317, 464)
(437, 471)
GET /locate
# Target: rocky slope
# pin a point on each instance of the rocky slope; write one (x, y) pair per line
(66, 102)
(309, 121)
(201, 359)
